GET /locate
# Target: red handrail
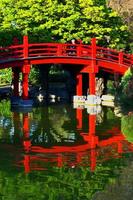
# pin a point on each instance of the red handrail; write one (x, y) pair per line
(30, 51)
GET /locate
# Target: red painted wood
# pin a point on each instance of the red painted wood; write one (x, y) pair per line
(26, 125)
(60, 160)
(92, 160)
(26, 69)
(25, 86)
(92, 83)
(47, 53)
(79, 85)
(79, 118)
(121, 57)
(59, 60)
(25, 46)
(103, 64)
(93, 44)
(27, 163)
(60, 49)
(120, 147)
(92, 125)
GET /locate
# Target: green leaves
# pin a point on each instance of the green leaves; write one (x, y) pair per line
(127, 127)
(67, 19)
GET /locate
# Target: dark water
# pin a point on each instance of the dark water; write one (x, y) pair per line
(61, 153)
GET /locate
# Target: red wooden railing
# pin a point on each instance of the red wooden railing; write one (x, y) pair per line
(35, 50)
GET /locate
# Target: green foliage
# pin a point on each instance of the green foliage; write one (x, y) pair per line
(127, 127)
(34, 76)
(7, 36)
(110, 87)
(125, 79)
(6, 111)
(5, 76)
(63, 20)
(58, 183)
(126, 88)
(56, 73)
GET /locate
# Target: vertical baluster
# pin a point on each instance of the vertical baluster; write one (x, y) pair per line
(121, 58)
(59, 49)
(25, 46)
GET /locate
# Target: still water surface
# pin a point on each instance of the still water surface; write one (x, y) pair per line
(57, 152)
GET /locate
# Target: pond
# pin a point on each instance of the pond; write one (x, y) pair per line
(59, 152)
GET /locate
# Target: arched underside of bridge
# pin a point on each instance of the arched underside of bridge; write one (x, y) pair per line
(78, 65)
(87, 64)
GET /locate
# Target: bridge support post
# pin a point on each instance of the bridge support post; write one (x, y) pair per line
(92, 84)
(25, 81)
(25, 102)
(79, 85)
(79, 98)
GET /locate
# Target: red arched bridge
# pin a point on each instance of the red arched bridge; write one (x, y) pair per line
(91, 58)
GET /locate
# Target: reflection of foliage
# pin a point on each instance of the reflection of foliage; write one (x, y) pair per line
(57, 120)
(50, 124)
(110, 121)
(127, 127)
(5, 119)
(122, 188)
(58, 183)
(5, 108)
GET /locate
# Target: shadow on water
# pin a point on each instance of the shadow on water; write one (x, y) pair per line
(58, 152)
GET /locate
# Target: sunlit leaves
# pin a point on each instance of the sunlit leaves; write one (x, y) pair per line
(66, 19)
(127, 127)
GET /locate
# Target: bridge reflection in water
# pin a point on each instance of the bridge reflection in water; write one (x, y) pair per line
(82, 148)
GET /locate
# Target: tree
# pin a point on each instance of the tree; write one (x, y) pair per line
(104, 23)
(127, 127)
(63, 20)
(126, 89)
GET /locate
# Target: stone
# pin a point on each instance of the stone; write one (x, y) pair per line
(108, 98)
(79, 99)
(93, 100)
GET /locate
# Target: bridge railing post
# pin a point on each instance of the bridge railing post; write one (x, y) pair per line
(94, 69)
(93, 49)
(59, 49)
(79, 50)
(25, 46)
(121, 57)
